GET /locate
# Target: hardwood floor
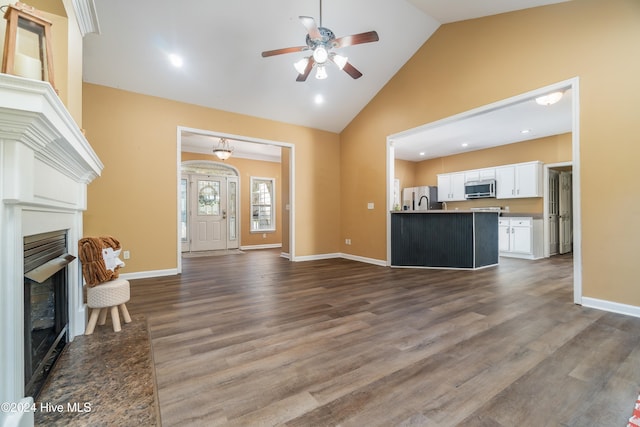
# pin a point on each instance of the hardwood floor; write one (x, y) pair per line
(253, 339)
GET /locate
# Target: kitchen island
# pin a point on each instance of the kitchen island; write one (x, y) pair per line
(444, 239)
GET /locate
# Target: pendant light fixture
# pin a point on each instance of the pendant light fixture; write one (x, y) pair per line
(223, 150)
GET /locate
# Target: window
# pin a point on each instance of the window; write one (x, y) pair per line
(263, 204)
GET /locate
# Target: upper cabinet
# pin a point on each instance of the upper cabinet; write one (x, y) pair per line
(515, 181)
(451, 187)
(479, 174)
(519, 180)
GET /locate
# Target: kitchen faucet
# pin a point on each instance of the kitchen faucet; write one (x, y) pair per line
(420, 201)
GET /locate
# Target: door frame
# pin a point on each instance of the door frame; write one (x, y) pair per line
(545, 213)
(292, 181)
(227, 180)
(574, 85)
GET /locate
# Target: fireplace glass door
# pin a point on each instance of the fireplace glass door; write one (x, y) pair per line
(45, 305)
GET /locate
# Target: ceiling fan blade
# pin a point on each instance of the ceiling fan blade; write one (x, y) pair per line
(310, 24)
(303, 77)
(352, 71)
(267, 53)
(354, 39)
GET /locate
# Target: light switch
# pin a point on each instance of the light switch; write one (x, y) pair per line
(370, 205)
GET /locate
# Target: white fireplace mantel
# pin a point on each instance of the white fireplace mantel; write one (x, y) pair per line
(46, 164)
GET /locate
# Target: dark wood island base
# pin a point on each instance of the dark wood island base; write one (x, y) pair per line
(444, 239)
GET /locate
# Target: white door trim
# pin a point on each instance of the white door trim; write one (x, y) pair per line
(292, 181)
(574, 84)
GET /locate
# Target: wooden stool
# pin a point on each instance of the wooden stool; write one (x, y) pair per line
(108, 295)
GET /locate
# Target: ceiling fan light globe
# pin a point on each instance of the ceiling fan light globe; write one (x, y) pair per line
(321, 73)
(340, 60)
(301, 65)
(320, 54)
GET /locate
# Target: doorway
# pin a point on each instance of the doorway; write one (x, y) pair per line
(576, 237)
(209, 207)
(192, 140)
(559, 208)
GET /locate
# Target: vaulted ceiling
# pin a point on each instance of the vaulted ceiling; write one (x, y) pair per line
(220, 44)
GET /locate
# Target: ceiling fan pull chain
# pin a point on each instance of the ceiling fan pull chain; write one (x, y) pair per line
(321, 13)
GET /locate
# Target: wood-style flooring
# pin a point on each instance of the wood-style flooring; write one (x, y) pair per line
(253, 339)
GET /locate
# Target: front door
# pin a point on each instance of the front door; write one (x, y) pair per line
(208, 213)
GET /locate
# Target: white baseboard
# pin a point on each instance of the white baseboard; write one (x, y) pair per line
(253, 247)
(380, 262)
(149, 274)
(614, 307)
(316, 257)
(285, 255)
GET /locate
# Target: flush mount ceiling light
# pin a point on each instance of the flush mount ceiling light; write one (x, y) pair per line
(550, 98)
(223, 150)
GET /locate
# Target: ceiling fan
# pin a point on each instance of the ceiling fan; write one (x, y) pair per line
(320, 41)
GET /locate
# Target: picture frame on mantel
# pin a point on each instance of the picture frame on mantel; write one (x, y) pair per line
(27, 44)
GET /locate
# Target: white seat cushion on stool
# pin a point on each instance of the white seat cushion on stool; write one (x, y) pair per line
(108, 294)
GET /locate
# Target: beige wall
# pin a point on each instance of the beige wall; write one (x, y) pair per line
(472, 63)
(135, 198)
(552, 149)
(248, 168)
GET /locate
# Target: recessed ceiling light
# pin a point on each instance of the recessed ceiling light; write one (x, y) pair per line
(176, 60)
(319, 99)
(465, 144)
(525, 131)
(422, 153)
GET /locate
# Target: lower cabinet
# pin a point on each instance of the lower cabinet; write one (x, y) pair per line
(520, 237)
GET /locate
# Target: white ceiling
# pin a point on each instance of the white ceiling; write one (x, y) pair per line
(221, 41)
(508, 123)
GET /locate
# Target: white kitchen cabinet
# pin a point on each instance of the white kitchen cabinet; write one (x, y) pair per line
(520, 237)
(479, 174)
(519, 180)
(451, 187)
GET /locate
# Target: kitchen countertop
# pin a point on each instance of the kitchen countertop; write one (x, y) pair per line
(521, 215)
(467, 211)
(451, 211)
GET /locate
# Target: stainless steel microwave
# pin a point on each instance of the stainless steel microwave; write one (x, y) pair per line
(482, 189)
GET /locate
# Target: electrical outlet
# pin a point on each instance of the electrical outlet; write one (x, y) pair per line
(264, 235)
(347, 241)
(126, 255)
(370, 205)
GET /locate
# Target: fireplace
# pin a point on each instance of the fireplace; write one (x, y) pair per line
(45, 305)
(46, 164)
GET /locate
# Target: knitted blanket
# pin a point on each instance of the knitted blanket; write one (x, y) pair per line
(99, 258)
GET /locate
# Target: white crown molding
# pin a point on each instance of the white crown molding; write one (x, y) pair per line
(86, 16)
(33, 114)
